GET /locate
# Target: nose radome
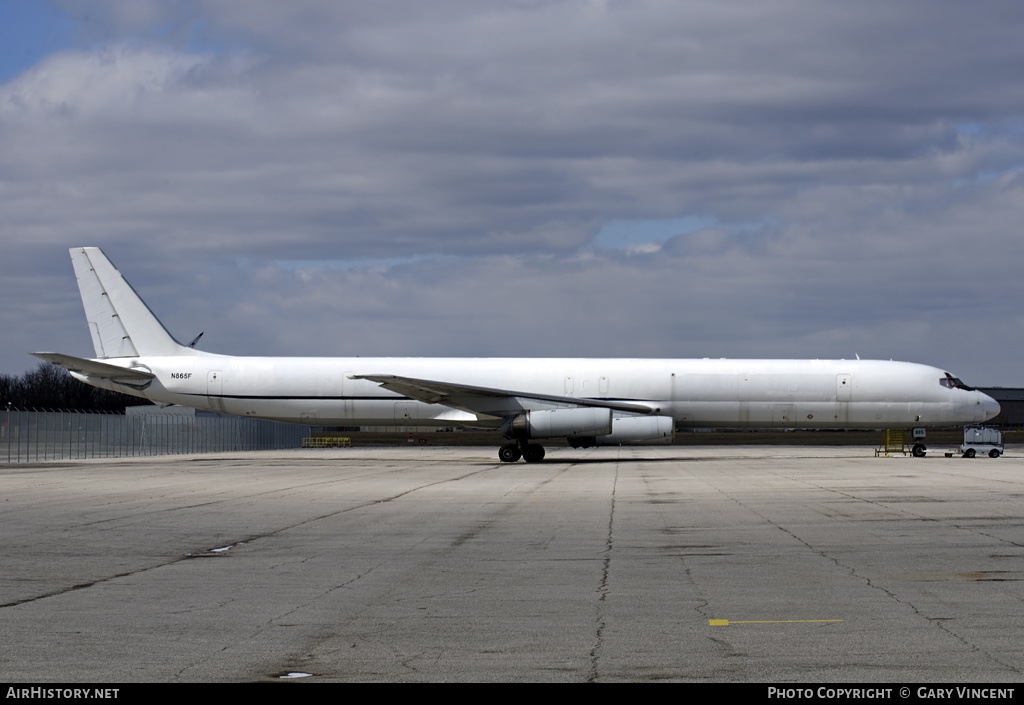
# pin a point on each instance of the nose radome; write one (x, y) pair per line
(989, 406)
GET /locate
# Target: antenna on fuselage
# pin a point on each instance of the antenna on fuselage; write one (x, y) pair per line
(195, 340)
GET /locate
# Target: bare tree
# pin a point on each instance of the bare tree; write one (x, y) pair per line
(51, 387)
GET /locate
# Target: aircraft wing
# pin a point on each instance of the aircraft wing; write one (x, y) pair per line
(132, 376)
(485, 400)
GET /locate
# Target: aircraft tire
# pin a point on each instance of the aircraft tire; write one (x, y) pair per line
(918, 451)
(509, 453)
(533, 453)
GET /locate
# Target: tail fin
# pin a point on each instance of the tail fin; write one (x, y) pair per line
(120, 323)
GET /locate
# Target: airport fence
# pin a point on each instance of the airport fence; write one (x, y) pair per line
(30, 436)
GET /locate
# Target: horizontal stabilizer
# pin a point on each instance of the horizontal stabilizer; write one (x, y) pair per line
(132, 376)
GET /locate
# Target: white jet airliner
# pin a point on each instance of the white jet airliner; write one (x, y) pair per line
(587, 401)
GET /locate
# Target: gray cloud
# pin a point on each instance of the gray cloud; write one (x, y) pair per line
(456, 160)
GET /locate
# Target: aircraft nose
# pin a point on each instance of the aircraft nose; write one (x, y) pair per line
(989, 407)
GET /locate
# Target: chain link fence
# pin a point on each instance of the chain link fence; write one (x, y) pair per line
(30, 436)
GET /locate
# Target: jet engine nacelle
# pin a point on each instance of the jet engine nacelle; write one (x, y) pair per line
(631, 429)
(570, 423)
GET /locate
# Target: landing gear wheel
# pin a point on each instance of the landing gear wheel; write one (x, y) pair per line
(994, 453)
(969, 453)
(918, 450)
(509, 453)
(533, 453)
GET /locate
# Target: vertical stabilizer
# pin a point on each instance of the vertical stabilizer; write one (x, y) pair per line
(120, 323)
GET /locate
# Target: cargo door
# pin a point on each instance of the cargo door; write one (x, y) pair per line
(215, 390)
(844, 387)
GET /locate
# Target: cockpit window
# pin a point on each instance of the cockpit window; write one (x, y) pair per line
(954, 383)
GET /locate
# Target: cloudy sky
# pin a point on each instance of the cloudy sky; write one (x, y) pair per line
(522, 178)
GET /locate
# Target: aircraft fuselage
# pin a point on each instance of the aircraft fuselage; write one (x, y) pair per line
(694, 393)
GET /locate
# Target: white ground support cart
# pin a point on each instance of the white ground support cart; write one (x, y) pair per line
(979, 439)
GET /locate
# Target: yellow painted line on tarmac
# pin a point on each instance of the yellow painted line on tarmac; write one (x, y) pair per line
(726, 622)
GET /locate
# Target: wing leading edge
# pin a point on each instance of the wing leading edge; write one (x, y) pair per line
(488, 401)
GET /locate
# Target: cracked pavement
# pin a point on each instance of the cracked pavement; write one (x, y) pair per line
(441, 564)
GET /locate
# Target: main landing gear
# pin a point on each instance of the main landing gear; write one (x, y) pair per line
(512, 452)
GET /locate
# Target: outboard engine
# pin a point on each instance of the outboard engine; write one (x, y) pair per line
(631, 430)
